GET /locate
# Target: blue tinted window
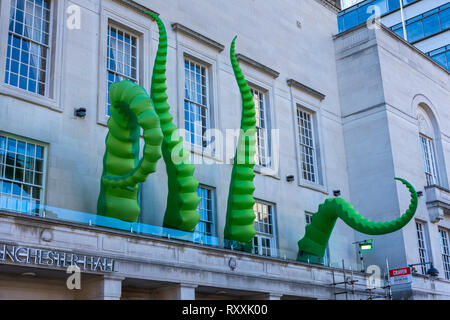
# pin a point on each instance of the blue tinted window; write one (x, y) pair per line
(445, 19)
(431, 25)
(414, 31)
(363, 16)
(448, 58)
(441, 56)
(441, 59)
(351, 20)
(341, 24)
(382, 4)
(393, 4)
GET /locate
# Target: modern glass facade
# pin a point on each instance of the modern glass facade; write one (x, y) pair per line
(441, 56)
(425, 24)
(360, 13)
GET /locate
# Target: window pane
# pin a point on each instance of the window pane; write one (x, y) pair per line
(307, 146)
(205, 209)
(431, 25)
(28, 45)
(121, 58)
(264, 242)
(19, 179)
(415, 31)
(196, 106)
(393, 4)
(351, 20)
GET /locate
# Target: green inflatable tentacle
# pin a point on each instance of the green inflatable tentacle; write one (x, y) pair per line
(182, 200)
(240, 217)
(131, 109)
(313, 245)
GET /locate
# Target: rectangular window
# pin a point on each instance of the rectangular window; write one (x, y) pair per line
(206, 211)
(426, 24)
(429, 160)
(21, 175)
(445, 249)
(441, 56)
(422, 246)
(308, 156)
(28, 52)
(196, 102)
(263, 146)
(122, 57)
(308, 219)
(264, 242)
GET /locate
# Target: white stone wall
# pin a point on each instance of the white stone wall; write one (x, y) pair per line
(382, 136)
(267, 32)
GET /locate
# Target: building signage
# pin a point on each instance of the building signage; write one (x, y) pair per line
(55, 258)
(400, 276)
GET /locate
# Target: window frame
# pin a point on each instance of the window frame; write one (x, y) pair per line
(132, 22)
(445, 51)
(259, 236)
(266, 84)
(54, 60)
(112, 24)
(431, 157)
(45, 158)
(265, 93)
(445, 251)
(321, 185)
(213, 221)
(425, 248)
(207, 106)
(190, 48)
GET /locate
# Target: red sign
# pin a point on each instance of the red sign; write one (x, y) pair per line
(399, 272)
(399, 276)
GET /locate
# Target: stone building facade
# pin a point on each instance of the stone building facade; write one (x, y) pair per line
(341, 113)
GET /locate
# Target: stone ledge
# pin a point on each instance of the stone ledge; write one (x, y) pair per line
(257, 65)
(140, 258)
(305, 88)
(197, 36)
(136, 6)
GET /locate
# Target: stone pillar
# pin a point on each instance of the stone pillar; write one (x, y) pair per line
(179, 291)
(108, 287)
(265, 296)
(273, 296)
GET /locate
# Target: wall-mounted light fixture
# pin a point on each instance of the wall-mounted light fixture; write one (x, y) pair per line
(80, 112)
(337, 193)
(364, 246)
(432, 271)
(290, 178)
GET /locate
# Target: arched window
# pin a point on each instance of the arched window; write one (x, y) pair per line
(428, 146)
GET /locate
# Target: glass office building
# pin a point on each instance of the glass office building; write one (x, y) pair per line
(424, 23)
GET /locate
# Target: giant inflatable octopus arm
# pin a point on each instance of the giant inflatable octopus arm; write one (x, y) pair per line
(312, 246)
(182, 199)
(240, 217)
(131, 109)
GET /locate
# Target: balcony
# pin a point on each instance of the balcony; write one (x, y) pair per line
(438, 202)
